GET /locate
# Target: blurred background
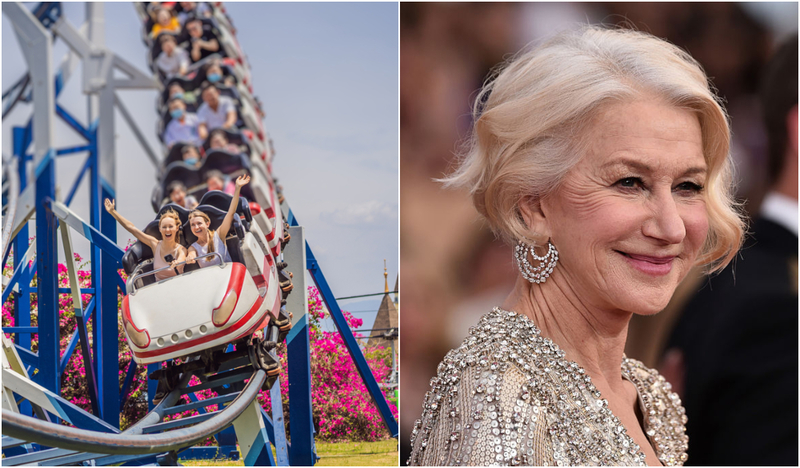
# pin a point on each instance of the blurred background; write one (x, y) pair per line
(453, 270)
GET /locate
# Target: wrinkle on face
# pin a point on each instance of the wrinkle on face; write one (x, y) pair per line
(592, 217)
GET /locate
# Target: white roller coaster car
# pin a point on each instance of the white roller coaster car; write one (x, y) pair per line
(206, 307)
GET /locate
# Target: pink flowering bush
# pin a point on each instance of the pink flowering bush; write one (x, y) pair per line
(342, 408)
(341, 405)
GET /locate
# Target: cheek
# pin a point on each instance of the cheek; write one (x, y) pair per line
(695, 219)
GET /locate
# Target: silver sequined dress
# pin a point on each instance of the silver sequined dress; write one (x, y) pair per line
(508, 396)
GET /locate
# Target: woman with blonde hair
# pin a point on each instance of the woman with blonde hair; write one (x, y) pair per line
(167, 252)
(209, 241)
(603, 157)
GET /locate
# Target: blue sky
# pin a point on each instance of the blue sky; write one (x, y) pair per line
(327, 74)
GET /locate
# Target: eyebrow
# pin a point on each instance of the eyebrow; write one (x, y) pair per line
(640, 166)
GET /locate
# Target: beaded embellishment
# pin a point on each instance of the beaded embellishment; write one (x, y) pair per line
(508, 396)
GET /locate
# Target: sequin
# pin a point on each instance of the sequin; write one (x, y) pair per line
(539, 400)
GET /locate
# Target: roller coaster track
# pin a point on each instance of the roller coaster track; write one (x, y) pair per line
(236, 373)
(156, 433)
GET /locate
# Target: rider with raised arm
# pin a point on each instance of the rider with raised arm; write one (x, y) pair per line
(167, 252)
(200, 223)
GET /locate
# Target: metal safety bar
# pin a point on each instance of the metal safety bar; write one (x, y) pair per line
(137, 274)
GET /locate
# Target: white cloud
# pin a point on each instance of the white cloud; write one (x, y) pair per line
(371, 212)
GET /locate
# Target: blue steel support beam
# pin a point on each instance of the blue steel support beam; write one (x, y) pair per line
(21, 271)
(47, 267)
(72, 150)
(352, 346)
(73, 123)
(126, 386)
(350, 341)
(74, 340)
(78, 180)
(108, 358)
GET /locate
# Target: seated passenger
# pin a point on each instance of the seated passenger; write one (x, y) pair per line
(202, 42)
(183, 127)
(165, 20)
(191, 156)
(214, 74)
(177, 194)
(172, 60)
(167, 252)
(216, 181)
(215, 112)
(177, 91)
(197, 9)
(219, 140)
(200, 223)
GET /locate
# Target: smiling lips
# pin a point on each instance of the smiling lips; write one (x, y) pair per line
(656, 266)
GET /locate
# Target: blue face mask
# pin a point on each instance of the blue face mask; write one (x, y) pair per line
(176, 113)
(190, 161)
(214, 77)
(177, 96)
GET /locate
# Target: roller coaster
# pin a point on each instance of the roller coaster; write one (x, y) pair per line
(215, 327)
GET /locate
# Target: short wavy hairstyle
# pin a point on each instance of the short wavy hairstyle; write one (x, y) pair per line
(533, 114)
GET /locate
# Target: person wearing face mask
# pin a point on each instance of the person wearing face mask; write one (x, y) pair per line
(190, 155)
(188, 97)
(172, 61)
(183, 126)
(202, 42)
(214, 75)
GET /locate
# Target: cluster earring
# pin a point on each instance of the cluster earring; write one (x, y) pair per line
(547, 262)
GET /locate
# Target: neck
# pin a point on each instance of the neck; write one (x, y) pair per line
(169, 244)
(593, 338)
(202, 239)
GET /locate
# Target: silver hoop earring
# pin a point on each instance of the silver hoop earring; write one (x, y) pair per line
(547, 262)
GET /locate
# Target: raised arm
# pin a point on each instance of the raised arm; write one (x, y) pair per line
(145, 239)
(223, 228)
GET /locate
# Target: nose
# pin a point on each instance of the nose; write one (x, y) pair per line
(665, 222)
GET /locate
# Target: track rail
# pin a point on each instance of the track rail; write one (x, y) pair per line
(132, 441)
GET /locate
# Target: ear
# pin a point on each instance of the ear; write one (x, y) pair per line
(535, 219)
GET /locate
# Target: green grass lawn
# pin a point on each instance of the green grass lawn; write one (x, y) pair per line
(382, 453)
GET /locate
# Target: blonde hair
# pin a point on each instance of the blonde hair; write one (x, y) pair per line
(532, 121)
(178, 222)
(198, 213)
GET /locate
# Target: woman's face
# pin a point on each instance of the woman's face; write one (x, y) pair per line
(168, 228)
(199, 226)
(630, 218)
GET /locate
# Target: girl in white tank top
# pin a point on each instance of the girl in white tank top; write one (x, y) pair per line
(200, 223)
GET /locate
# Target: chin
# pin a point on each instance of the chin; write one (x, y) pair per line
(644, 302)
